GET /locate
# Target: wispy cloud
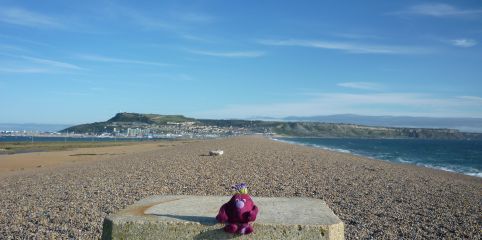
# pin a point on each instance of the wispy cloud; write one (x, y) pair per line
(233, 54)
(24, 40)
(463, 42)
(129, 15)
(7, 47)
(164, 19)
(99, 58)
(53, 63)
(361, 85)
(438, 10)
(167, 77)
(23, 17)
(471, 98)
(349, 35)
(407, 104)
(193, 17)
(146, 21)
(196, 38)
(349, 47)
(29, 64)
(23, 70)
(67, 93)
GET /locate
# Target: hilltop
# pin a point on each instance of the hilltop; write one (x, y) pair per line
(127, 120)
(464, 124)
(149, 118)
(137, 124)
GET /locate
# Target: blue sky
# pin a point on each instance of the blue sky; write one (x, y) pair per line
(84, 61)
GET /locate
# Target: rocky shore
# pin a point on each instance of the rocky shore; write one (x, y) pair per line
(375, 199)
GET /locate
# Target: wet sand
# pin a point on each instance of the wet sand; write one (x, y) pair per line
(375, 199)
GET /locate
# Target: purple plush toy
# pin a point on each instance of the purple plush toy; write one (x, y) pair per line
(238, 212)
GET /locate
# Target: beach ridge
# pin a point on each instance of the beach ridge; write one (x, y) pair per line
(375, 199)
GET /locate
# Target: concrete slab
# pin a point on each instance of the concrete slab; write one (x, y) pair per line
(193, 217)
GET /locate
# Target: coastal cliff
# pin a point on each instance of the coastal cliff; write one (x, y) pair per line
(180, 125)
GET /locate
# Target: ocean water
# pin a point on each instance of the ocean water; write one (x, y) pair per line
(462, 156)
(69, 139)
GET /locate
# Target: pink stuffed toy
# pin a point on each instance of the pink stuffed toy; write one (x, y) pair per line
(238, 212)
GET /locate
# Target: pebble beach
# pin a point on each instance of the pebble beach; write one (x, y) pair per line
(375, 199)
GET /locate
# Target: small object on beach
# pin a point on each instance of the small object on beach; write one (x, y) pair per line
(239, 212)
(216, 152)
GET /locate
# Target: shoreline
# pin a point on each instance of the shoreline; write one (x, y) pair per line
(36, 159)
(347, 151)
(375, 199)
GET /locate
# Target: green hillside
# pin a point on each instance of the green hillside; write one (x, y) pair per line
(124, 120)
(175, 124)
(338, 130)
(149, 118)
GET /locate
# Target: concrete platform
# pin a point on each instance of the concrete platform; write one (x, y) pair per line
(193, 217)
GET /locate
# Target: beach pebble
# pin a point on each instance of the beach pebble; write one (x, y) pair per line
(375, 199)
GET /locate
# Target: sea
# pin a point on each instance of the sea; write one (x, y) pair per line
(73, 139)
(461, 156)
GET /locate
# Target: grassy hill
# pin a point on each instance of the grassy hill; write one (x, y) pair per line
(127, 120)
(149, 118)
(300, 129)
(339, 130)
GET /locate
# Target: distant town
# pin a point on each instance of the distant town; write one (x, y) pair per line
(154, 126)
(142, 130)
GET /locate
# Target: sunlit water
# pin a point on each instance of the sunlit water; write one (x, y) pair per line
(460, 156)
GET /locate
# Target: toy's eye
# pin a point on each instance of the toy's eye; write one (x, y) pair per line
(244, 200)
(237, 200)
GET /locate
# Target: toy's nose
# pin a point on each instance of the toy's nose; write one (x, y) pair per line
(239, 204)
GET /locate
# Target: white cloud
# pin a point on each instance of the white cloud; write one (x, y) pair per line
(157, 19)
(167, 77)
(11, 48)
(438, 10)
(66, 93)
(471, 98)
(53, 63)
(23, 40)
(356, 35)
(22, 17)
(146, 21)
(35, 65)
(361, 85)
(193, 17)
(23, 70)
(235, 54)
(350, 47)
(99, 58)
(397, 104)
(463, 42)
(196, 38)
